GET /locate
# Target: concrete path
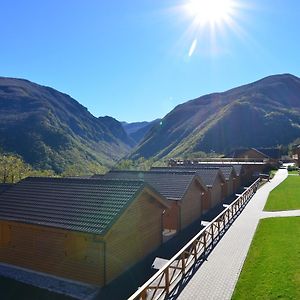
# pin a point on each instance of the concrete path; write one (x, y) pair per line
(217, 277)
(284, 213)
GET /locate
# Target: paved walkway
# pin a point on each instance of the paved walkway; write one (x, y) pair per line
(217, 277)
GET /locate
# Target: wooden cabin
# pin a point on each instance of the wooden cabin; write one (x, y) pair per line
(212, 178)
(184, 191)
(233, 177)
(89, 230)
(228, 172)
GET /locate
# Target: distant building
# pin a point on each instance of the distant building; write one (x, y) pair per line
(296, 154)
(88, 230)
(270, 155)
(248, 154)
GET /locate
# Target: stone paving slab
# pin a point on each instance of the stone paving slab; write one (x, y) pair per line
(284, 213)
(217, 277)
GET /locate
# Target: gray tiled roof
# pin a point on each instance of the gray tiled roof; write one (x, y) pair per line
(207, 175)
(5, 186)
(172, 185)
(237, 167)
(87, 205)
(227, 170)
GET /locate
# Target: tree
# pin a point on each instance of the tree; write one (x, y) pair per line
(14, 169)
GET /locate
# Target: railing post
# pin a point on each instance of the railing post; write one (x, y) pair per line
(183, 263)
(167, 281)
(144, 295)
(195, 250)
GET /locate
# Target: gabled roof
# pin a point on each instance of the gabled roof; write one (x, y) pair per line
(208, 175)
(271, 152)
(237, 168)
(172, 185)
(87, 205)
(239, 152)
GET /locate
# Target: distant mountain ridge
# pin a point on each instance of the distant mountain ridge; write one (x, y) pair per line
(264, 113)
(51, 130)
(138, 130)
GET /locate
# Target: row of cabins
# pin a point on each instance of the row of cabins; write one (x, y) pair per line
(92, 230)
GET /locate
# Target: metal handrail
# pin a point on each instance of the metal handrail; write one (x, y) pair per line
(180, 263)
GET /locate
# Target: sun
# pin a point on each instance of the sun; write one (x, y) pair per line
(210, 12)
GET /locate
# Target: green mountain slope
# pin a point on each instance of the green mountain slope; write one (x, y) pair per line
(51, 130)
(261, 114)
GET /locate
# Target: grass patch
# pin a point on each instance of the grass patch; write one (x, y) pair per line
(271, 269)
(286, 196)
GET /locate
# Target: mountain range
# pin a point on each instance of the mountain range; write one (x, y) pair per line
(138, 130)
(51, 130)
(265, 113)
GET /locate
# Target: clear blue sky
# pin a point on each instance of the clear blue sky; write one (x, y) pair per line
(130, 59)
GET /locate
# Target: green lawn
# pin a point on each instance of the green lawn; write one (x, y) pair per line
(286, 196)
(272, 267)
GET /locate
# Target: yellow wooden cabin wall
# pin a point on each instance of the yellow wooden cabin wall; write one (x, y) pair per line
(137, 233)
(72, 255)
(171, 217)
(191, 206)
(229, 186)
(218, 191)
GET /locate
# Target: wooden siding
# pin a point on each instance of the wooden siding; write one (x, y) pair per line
(206, 201)
(171, 217)
(191, 206)
(137, 233)
(236, 184)
(72, 255)
(217, 192)
(229, 186)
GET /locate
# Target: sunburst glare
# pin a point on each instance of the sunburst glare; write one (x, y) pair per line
(210, 11)
(211, 18)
